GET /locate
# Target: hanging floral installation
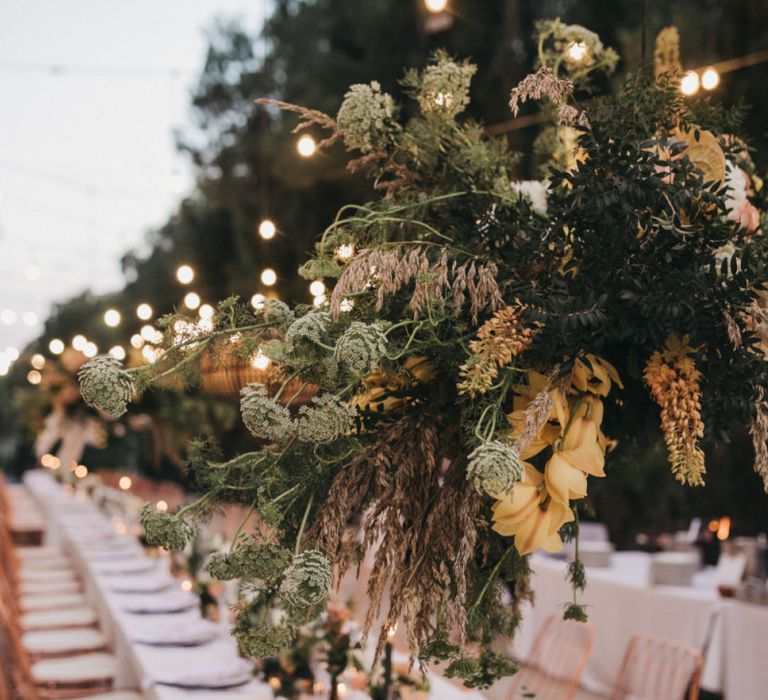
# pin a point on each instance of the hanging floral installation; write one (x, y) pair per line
(486, 344)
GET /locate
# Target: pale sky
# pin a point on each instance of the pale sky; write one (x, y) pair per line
(87, 157)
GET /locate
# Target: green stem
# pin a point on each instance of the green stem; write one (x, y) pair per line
(240, 527)
(303, 524)
(492, 576)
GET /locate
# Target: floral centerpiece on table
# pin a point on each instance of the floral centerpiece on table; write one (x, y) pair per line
(484, 345)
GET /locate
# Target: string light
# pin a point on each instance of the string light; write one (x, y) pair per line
(268, 277)
(148, 353)
(710, 78)
(435, 6)
(29, 319)
(79, 342)
(8, 317)
(576, 51)
(37, 361)
(144, 312)
(689, 85)
(32, 272)
(81, 471)
(125, 483)
(192, 300)
(34, 377)
(306, 146)
(56, 346)
(317, 288)
(260, 361)
(161, 506)
(319, 300)
(137, 341)
(90, 349)
(344, 253)
(258, 301)
(267, 229)
(47, 460)
(118, 352)
(185, 274)
(206, 311)
(112, 317)
(186, 584)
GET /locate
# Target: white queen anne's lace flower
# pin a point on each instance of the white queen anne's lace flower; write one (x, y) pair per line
(311, 327)
(105, 385)
(365, 117)
(494, 468)
(278, 314)
(265, 419)
(360, 348)
(326, 419)
(445, 86)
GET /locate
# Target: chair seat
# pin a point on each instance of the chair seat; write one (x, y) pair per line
(46, 565)
(52, 602)
(45, 552)
(49, 587)
(582, 694)
(81, 616)
(63, 641)
(533, 683)
(117, 695)
(85, 668)
(47, 575)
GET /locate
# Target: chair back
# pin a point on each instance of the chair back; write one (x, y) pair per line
(557, 659)
(658, 669)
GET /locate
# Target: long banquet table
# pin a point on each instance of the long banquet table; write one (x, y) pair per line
(76, 524)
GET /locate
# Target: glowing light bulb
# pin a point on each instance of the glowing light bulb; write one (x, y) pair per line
(90, 349)
(118, 352)
(79, 342)
(260, 361)
(267, 229)
(144, 312)
(32, 272)
(258, 301)
(306, 146)
(710, 78)
(346, 305)
(47, 460)
(192, 300)
(81, 471)
(689, 85)
(148, 353)
(319, 300)
(344, 253)
(37, 361)
(56, 346)
(137, 341)
(112, 317)
(29, 319)
(317, 288)
(185, 274)
(436, 6)
(161, 506)
(125, 483)
(268, 277)
(206, 311)
(8, 316)
(34, 377)
(576, 51)
(12, 353)
(186, 585)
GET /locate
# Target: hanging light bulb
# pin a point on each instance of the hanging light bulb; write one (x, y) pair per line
(192, 300)
(79, 342)
(144, 311)
(125, 483)
(268, 277)
(689, 85)
(56, 346)
(112, 317)
(258, 301)
(710, 78)
(37, 361)
(267, 229)
(576, 51)
(317, 288)
(185, 274)
(260, 361)
(90, 349)
(137, 341)
(436, 6)
(306, 146)
(34, 377)
(118, 352)
(206, 311)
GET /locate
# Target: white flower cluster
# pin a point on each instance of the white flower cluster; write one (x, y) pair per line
(360, 348)
(105, 385)
(278, 314)
(494, 468)
(265, 419)
(445, 86)
(307, 581)
(326, 419)
(311, 327)
(365, 116)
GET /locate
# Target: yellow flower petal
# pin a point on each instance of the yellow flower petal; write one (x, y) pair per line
(582, 448)
(564, 481)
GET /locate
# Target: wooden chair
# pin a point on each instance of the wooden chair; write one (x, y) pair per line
(558, 657)
(658, 669)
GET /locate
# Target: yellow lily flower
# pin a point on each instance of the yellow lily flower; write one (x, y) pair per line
(530, 516)
(564, 481)
(594, 374)
(581, 447)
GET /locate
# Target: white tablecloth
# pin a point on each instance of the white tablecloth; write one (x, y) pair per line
(745, 651)
(620, 603)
